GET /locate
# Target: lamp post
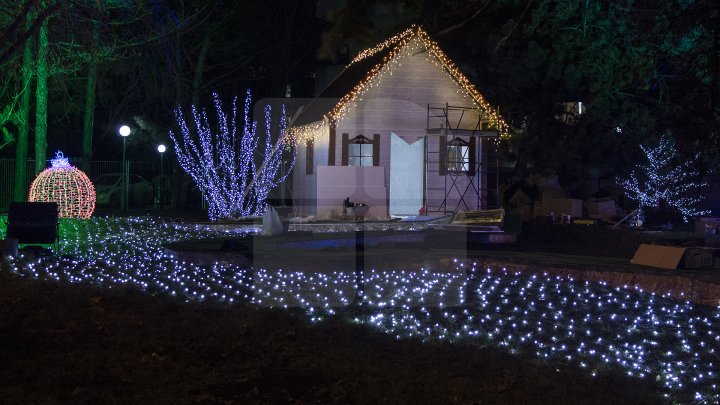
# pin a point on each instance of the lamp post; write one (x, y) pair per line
(124, 132)
(161, 148)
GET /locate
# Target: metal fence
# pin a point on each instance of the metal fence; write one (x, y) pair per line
(146, 170)
(151, 170)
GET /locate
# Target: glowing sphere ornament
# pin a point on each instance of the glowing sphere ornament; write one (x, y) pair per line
(65, 185)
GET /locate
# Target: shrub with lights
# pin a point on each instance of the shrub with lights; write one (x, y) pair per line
(65, 185)
(231, 169)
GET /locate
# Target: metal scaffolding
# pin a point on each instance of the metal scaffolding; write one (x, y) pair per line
(450, 123)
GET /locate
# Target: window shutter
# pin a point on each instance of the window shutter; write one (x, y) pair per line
(472, 149)
(309, 157)
(376, 149)
(443, 155)
(331, 150)
(345, 142)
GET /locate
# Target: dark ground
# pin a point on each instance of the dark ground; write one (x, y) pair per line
(80, 344)
(61, 344)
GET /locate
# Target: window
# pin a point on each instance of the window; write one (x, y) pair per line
(360, 151)
(360, 154)
(458, 156)
(572, 111)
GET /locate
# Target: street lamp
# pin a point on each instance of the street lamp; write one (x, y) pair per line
(125, 132)
(161, 148)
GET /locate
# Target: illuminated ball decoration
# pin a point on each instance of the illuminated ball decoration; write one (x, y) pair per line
(65, 185)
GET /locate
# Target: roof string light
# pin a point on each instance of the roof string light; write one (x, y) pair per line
(402, 45)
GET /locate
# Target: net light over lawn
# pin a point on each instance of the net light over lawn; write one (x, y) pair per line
(555, 319)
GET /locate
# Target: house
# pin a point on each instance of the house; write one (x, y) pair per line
(400, 129)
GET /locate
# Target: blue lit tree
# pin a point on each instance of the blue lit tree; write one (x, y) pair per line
(664, 178)
(232, 169)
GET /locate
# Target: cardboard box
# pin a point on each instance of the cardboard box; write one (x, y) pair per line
(537, 209)
(712, 240)
(526, 212)
(707, 225)
(603, 209)
(552, 194)
(664, 257)
(699, 258)
(567, 206)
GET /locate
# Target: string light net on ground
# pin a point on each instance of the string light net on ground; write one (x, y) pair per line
(65, 185)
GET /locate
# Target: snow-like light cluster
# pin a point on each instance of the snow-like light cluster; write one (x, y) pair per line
(556, 319)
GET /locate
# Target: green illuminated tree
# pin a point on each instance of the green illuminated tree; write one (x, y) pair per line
(23, 116)
(90, 91)
(41, 98)
(20, 28)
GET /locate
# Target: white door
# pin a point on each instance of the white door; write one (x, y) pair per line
(406, 176)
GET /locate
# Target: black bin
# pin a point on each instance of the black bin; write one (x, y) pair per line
(33, 222)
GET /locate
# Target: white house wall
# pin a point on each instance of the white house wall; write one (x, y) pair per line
(364, 185)
(305, 185)
(399, 104)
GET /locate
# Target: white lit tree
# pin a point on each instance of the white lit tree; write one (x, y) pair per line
(664, 178)
(232, 169)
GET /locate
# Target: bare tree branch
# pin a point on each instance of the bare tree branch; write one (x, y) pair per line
(517, 24)
(39, 20)
(465, 21)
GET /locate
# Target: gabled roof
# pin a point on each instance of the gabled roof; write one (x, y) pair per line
(358, 77)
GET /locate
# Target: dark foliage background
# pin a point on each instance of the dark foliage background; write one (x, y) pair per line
(640, 68)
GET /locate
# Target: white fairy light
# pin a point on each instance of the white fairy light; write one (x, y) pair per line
(401, 46)
(664, 179)
(234, 174)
